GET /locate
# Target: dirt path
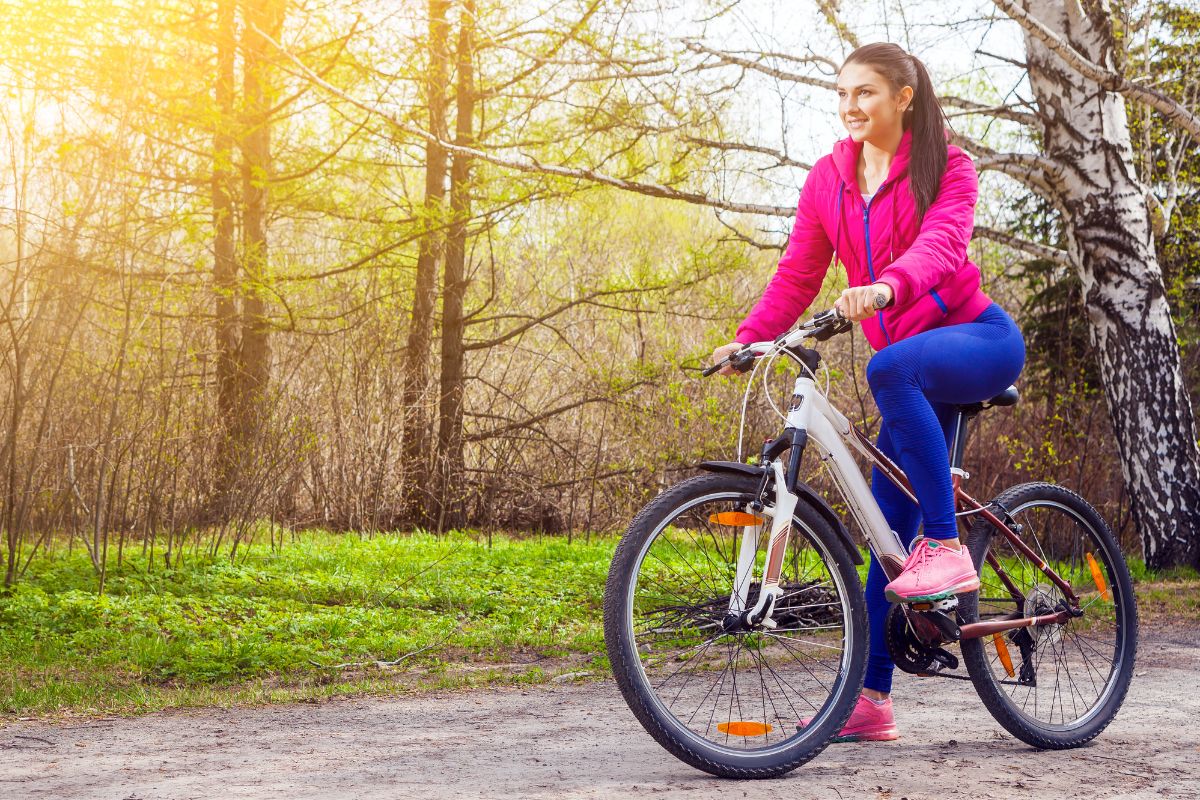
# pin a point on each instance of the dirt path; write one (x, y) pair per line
(581, 741)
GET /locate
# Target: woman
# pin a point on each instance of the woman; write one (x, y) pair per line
(895, 203)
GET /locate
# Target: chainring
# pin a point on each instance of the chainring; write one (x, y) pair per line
(908, 653)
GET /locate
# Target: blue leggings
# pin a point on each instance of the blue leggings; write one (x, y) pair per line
(916, 383)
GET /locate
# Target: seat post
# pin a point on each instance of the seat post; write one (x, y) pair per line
(958, 444)
(965, 413)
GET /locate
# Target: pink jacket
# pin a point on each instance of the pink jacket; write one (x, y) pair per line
(933, 281)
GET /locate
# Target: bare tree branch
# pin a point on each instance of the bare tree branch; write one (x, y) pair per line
(830, 9)
(967, 106)
(1036, 172)
(743, 238)
(525, 163)
(474, 437)
(783, 158)
(746, 63)
(812, 58)
(1108, 79)
(1025, 246)
(1002, 111)
(590, 297)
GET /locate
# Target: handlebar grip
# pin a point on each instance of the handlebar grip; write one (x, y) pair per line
(741, 361)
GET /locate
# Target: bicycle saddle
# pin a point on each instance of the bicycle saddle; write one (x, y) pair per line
(1008, 397)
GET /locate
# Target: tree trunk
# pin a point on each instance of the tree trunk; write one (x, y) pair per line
(265, 16)
(416, 435)
(224, 256)
(1103, 204)
(454, 286)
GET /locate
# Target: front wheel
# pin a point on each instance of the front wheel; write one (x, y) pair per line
(735, 700)
(1052, 686)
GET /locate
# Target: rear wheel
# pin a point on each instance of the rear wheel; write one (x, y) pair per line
(1052, 686)
(733, 700)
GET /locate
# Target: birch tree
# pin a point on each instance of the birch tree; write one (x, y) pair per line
(1087, 172)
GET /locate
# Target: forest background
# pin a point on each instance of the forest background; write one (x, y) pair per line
(276, 271)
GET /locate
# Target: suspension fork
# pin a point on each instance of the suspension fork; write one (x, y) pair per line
(769, 589)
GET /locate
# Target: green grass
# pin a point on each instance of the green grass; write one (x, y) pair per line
(271, 626)
(258, 629)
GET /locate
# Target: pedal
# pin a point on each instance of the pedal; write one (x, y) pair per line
(944, 657)
(944, 605)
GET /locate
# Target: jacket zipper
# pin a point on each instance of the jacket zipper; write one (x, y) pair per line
(870, 268)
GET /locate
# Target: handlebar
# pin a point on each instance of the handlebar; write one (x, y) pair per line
(821, 327)
(742, 361)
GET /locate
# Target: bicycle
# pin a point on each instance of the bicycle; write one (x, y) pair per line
(734, 615)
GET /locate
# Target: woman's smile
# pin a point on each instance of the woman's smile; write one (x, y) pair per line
(866, 104)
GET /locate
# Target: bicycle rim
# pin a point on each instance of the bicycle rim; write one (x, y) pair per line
(1057, 678)
(741, 692)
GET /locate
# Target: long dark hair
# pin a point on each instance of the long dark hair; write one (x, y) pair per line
(927, 160)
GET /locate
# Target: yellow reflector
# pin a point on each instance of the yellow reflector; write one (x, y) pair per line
(1005, 656)
(1097, 576)
(735, 519)
(745, 728)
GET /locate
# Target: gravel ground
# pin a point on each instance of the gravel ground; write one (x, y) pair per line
(580, 740)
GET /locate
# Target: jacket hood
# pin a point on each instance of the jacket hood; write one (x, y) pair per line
(846, 152)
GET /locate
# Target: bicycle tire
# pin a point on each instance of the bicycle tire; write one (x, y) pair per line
(1062, 528)
(663, 720)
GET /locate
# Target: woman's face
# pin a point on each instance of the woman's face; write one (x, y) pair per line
(867, 106)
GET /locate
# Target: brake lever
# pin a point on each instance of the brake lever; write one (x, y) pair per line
(827, 324)
(833, 328)
(741, 361)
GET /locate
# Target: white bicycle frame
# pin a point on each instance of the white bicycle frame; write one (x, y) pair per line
(810, 411)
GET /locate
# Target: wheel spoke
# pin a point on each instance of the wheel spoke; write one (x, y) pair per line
(740, 686)
(1074, 665)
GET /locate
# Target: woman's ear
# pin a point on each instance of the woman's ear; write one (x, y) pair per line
(905, 97)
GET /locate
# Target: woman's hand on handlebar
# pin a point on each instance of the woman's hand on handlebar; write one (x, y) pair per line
(723, 352)
(859, 302)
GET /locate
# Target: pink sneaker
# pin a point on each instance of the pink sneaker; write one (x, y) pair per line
(868, 722)
(931, 572)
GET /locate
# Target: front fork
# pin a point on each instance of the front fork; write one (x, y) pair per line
(769, 589)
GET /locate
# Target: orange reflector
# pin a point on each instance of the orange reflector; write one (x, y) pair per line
(1005, 656)
(745, 728)
(1098, 576)
(735, 519)
(922, 606)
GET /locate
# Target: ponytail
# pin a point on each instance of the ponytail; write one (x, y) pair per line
(927, 164)
(924, 116)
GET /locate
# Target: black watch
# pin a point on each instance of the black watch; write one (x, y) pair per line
(881, 300)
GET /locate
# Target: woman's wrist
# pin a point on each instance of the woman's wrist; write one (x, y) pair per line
(883, 294)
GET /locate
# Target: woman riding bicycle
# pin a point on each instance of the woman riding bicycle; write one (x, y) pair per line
(895, 203)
